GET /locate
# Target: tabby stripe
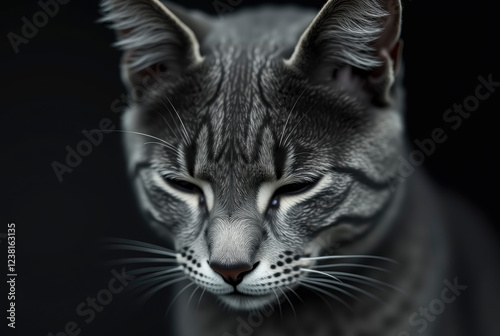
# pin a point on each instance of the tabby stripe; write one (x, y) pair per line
(146, 201)
(139, 167)
(362, 177)
(343, 197)
(358, 220)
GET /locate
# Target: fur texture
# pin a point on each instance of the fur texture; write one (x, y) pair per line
(267, 142)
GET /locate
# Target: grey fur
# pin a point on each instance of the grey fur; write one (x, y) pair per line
(246, 115)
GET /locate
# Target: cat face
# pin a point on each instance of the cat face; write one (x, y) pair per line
(248, 146)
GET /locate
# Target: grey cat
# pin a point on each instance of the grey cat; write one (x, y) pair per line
(260, 146)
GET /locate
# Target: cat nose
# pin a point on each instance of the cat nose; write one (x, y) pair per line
(232, 274)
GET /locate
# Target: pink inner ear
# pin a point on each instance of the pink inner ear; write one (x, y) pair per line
(387, 55)
(388, 43)
(395, 55)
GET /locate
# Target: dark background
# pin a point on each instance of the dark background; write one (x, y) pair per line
(65, 80)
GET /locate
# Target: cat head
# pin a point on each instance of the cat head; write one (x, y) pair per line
(252, 137)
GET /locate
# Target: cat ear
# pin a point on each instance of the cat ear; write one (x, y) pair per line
(351, 40)
(154, 40)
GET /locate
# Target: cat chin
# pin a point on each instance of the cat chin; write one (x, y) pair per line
(247, 302)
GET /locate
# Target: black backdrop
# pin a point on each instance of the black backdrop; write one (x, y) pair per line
(66, 78)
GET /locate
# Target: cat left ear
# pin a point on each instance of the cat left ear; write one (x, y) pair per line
(154, 40)
(353, 41)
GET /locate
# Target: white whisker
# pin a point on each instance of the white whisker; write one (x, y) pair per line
(145, 297)
(295, 293)
(329, 285)
(156, 274)
(140, 284)
(140, 249)
(279, 303)
(321, 297)
(151, 269)
(335, 297)
(160, 144)
(289, 302)
(349, 256)
(136, 242)
(167, 123)
(298, 122)
(176, 125)
(350, 275)
(177, 296)
(146, 135)
(352, 265)
(367, 283)
(289, 115)
(199, 300)
(142, 260)
(178, 116)
(357, 289)
(319, 272)
(191, 296)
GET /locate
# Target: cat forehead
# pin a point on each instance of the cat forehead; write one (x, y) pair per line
(251, 104)
(261, 132)
(269, 27)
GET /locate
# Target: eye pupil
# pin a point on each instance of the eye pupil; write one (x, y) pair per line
(275, 202)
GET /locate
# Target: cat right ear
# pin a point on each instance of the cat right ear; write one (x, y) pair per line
(356, 39)
(155, 41)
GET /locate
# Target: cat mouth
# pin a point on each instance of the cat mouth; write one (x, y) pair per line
(237, 294)
(239, 300)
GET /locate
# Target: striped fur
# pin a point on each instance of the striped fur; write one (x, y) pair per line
(244, 118)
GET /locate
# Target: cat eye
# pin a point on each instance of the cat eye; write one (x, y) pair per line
(184, 186)
(294, 188)
(290, 189)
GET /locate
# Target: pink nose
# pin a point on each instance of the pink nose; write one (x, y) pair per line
(233, 275)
